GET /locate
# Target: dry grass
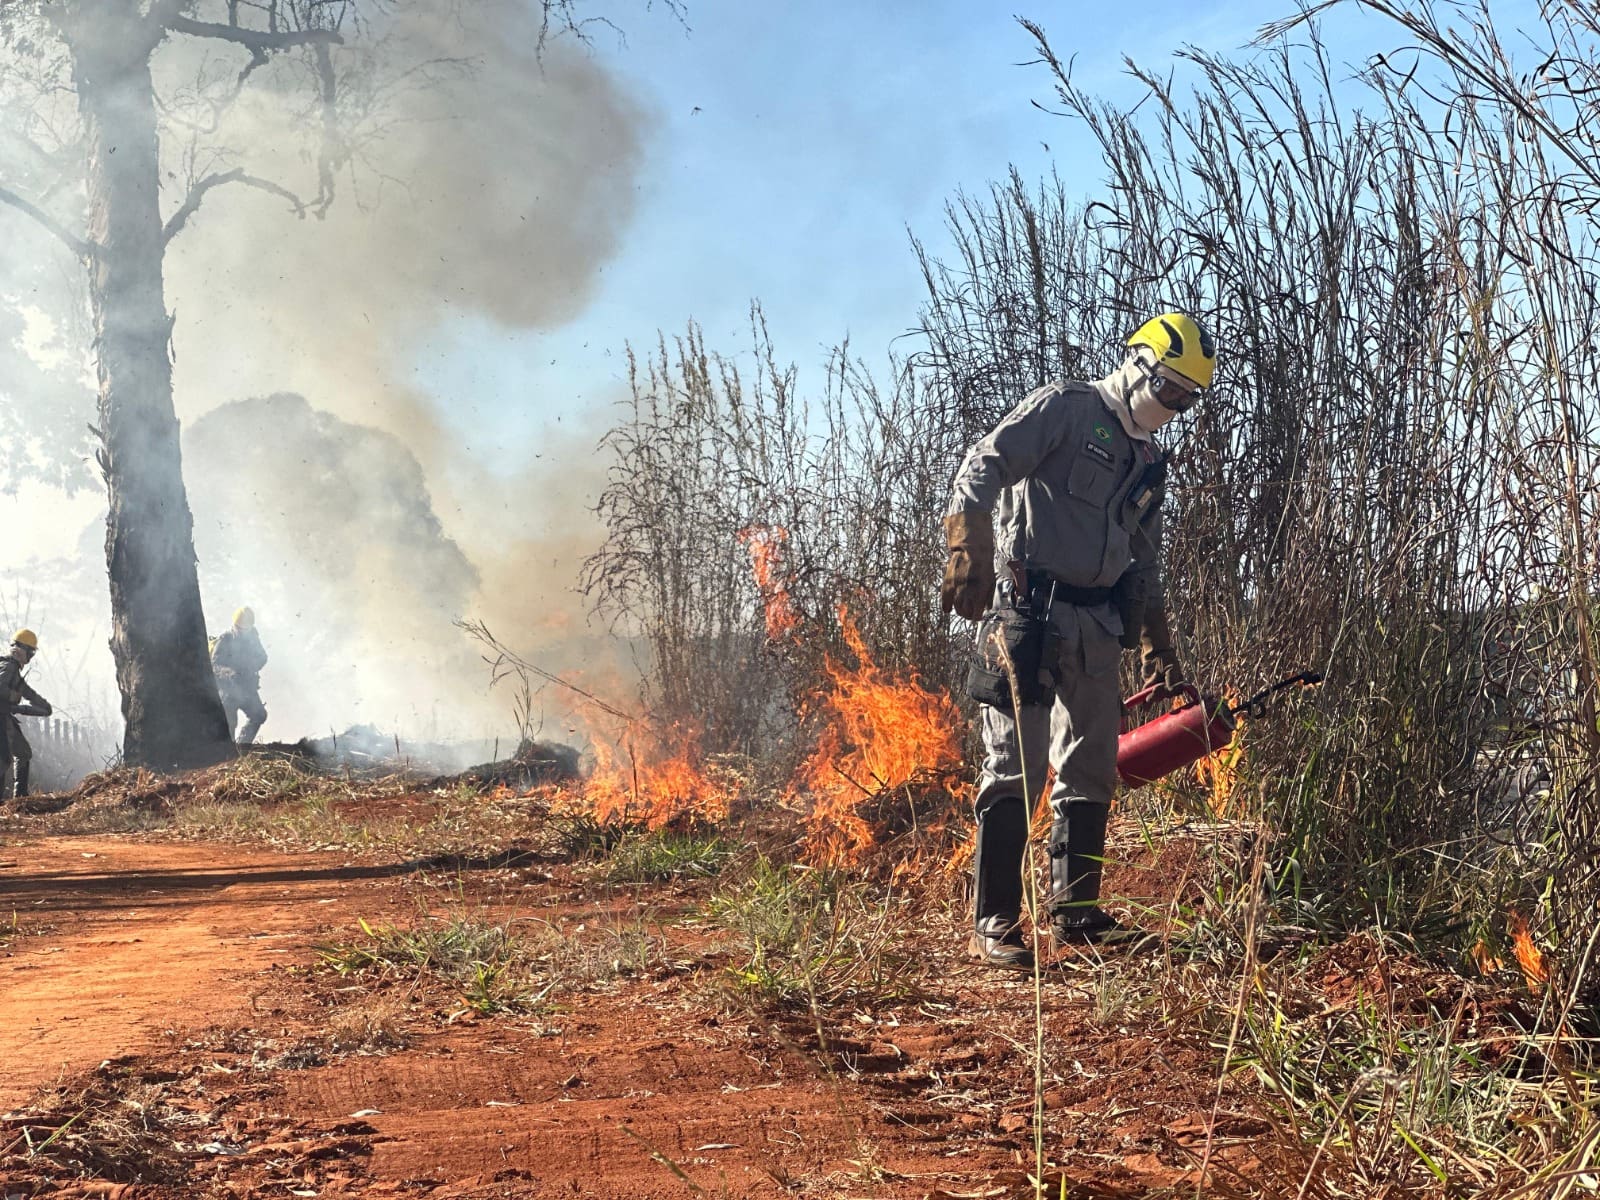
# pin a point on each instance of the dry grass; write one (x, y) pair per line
(374, 1024)
(114, 1128)
(496, 964)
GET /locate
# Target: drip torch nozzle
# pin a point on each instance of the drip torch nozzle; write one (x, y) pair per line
(1256, 706)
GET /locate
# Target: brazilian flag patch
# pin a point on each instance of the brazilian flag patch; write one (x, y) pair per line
(1101, 432)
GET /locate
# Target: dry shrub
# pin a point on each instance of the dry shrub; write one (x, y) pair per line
(714, 463)
(371, 1025)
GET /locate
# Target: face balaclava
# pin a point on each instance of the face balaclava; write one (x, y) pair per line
(1126, 392)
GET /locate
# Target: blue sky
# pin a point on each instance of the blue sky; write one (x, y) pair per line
(790, 149)
(793, 148)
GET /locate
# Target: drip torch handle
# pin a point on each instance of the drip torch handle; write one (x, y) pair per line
(1159, 691)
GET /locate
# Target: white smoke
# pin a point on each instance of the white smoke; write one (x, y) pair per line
(493, 184)
(487, 184)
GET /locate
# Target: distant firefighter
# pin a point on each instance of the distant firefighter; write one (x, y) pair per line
(17, 699)
(237, 658)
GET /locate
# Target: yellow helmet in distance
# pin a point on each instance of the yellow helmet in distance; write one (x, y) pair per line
(1180, 344)
(26, 637)
(244, 618)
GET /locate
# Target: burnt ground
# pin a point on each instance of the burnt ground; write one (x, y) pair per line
(168, 1028)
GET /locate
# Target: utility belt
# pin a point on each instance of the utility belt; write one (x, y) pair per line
(1016, 637)
(1044, 588)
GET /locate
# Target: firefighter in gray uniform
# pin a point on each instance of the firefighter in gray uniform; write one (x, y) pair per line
(1072, 481)
(237, 657)
(17, 699)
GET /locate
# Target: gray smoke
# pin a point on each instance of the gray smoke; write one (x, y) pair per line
(354, 582)
(485, 186)
(490, 186)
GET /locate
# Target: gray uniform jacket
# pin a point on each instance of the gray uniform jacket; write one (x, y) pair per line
(10, 696)
(239, 657)
(11, 684)
(1069, 491)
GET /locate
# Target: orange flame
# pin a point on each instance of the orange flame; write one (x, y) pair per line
(1221, 772)
(1044, 816)
(882, 734)
(658, 779)
(1529, 957)
(1486, 960)
(766, 544)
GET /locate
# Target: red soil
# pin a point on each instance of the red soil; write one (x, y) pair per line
(173, 990)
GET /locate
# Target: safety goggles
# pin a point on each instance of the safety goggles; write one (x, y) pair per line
(1168, 392)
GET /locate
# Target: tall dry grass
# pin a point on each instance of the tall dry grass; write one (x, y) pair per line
(1395, 480)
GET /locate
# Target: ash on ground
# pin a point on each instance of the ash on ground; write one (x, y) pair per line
(364, 747)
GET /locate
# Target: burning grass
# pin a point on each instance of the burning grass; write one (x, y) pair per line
(1220, 773)
(1365, 1063)
(656, 777)
(885, 742)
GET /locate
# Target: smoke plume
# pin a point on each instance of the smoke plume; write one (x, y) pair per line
(356, 511)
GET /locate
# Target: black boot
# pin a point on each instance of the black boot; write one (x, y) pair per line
(997, 876)
(1077, 847)
(998, 944)
(23, 764)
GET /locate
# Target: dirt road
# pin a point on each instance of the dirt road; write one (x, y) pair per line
(125, 943)
(177, 982)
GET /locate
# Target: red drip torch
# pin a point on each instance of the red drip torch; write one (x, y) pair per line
(1201, 725)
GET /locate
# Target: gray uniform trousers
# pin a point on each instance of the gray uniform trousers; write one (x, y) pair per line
(1077, 735)
(14, 782)
(237, 698)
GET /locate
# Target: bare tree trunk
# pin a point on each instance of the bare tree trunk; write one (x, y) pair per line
(169, 697)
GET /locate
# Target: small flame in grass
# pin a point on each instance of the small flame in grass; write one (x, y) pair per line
(882, 733)
(767, 544)
(1529, 957)
(1487, 961)
(655, 777)
(1044, 816)
(1220, 771)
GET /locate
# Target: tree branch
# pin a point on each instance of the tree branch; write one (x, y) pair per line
(74, 243)
(261, 41)
(333, 152)
(191, 202)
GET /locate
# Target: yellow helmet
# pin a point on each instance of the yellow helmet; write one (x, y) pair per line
(244, 618)
(1179, 344)
(26, 637)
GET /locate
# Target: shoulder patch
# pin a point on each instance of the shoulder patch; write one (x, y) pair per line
(1101, 431)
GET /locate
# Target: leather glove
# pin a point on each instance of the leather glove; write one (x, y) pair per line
(1129, 596)
(1161, 669)
(969, 571)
